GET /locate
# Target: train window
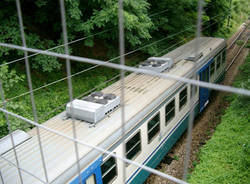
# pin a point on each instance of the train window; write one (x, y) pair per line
(224, 56)
(183, 98)
(169, 111)
(218, 62)
(153, 127)
(207, 75)
(109, 170)
(133, 146)
(212, 68)
(91, 179)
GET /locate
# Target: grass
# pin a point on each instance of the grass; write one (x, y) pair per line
(176, 157)
(226, 156)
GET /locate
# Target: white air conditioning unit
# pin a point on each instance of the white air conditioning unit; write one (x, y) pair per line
(158, 64)
(93, 108)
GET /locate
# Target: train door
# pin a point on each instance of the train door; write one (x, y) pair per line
(91, 175)
(204, 92)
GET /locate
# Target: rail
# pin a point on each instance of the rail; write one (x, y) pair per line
(237, 37)
(240, 49)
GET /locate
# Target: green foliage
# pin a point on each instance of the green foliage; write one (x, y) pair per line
(43, 26)
(217, 12)
(58, 92)
(238, 14)
(176, 157)
(9, 78)
(105, 15)
(178, 16)
(146, 21)
(10, 33)
(241, 42)
(144, 24)
(225, 157)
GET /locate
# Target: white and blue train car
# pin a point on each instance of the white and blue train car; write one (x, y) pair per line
(156, 115)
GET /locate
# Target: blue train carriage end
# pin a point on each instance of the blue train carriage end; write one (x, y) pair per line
(213, 71)
(91, 174)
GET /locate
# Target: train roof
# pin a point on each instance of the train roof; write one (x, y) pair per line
(140, 91)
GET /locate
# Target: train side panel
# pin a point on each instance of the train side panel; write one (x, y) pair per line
(150, 142)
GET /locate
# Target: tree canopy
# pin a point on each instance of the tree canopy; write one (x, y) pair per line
(145, 22)
(149, 24)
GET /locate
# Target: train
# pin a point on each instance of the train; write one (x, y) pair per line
(156, 110)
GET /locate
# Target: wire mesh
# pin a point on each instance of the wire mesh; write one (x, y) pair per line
(95, 66)
(68, 68)
(33, 104)
(192, 102)
(122, 67)
(122, 73)
(239, 91)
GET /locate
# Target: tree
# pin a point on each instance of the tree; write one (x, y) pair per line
(10, 33)
(9, 78)
(89, 17)
(217, 12)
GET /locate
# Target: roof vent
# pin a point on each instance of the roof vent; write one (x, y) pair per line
(94, 107)
(193, 58)
(158, 64)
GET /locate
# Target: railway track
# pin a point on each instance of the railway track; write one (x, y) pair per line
(244, 34)
(209, 119)
(239, 51)
(244, 27)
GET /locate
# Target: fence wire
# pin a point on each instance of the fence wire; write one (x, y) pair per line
(122, 67)
(191, 117)
(218, 87)
(101, 150)
(95, 66)
(70, 90)
(33, 103)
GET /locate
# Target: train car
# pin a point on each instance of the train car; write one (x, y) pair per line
(156, 115)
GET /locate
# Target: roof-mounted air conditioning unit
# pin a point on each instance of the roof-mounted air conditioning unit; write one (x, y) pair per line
(158, 64)
(194, 56)
(93, 108)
